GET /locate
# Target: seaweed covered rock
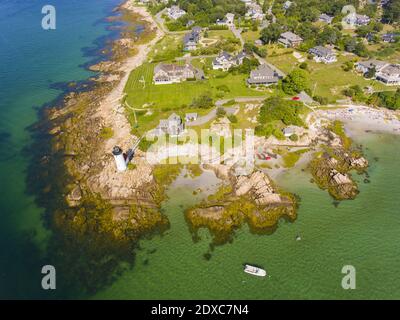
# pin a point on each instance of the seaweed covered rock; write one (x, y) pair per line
(251, 199)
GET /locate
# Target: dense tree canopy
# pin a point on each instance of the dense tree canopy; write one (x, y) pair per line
(295, 82)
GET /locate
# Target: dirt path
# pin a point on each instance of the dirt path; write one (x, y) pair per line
(110, 108)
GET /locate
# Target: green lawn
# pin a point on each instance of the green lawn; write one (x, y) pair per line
(251, 35)
(218, 34)
(328, 80)
(176, 95)
(167, 49)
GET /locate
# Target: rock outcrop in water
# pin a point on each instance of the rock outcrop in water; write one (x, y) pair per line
(331, 168)
(251, 199)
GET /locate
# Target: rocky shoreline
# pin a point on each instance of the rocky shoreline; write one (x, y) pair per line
(96, 221)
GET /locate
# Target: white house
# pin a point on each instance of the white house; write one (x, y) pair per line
(365, 66)
(224, 61)
(322, 54)
(172, 73)
(175, 12)
(357, 20)
(172, 126)
(227, 21)
(389, 75)
(287, 5)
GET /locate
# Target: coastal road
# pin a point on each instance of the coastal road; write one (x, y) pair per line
(210, 116)
(241, 99)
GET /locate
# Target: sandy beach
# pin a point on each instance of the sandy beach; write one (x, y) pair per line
(363, 118)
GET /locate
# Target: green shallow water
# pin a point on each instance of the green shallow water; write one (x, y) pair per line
(364, 233)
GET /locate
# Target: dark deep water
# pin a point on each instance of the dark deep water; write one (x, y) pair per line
(32, 60)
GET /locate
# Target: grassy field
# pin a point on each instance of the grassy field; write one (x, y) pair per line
(331, 79)
(251, 35)
(328, 80)
(141, 91)
(158, 101)
(220, 34)
(167, 49)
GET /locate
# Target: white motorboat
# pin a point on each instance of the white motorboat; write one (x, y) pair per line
(255, 271)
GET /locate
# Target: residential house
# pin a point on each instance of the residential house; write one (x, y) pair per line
(191, 39)
(189, 117)
(254, 12)
(190, 23)
(172, 126)
(322, 54)
(175, 12)
(365, 66)
(390, 37)
(357, 20)
(224, 61)
(227, 21)
(287, 5)
(325, 18)
(389, 75)
(263, 75)
(172, 73)
(290, 39)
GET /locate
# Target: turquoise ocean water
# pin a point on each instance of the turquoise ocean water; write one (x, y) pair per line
(363, 233)
(31, 61)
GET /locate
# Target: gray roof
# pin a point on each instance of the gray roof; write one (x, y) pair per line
(326, 18)
(263, 74)
(372, 63)
(321, 51)
(391, 70)
(291, 36)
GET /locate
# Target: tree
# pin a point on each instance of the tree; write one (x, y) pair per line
(221, 112)
(391, 12)
(370, 73)
(271, 33)
(295, 82)
(203, 101)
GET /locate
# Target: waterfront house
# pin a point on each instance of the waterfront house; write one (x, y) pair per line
(325, 18)
(263, 75)
(175, 12)
(389, 75)
(172, 73)
(323, 54)
(290, 39)
(172, 126)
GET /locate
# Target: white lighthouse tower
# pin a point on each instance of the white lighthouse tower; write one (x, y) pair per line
(119, 159)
